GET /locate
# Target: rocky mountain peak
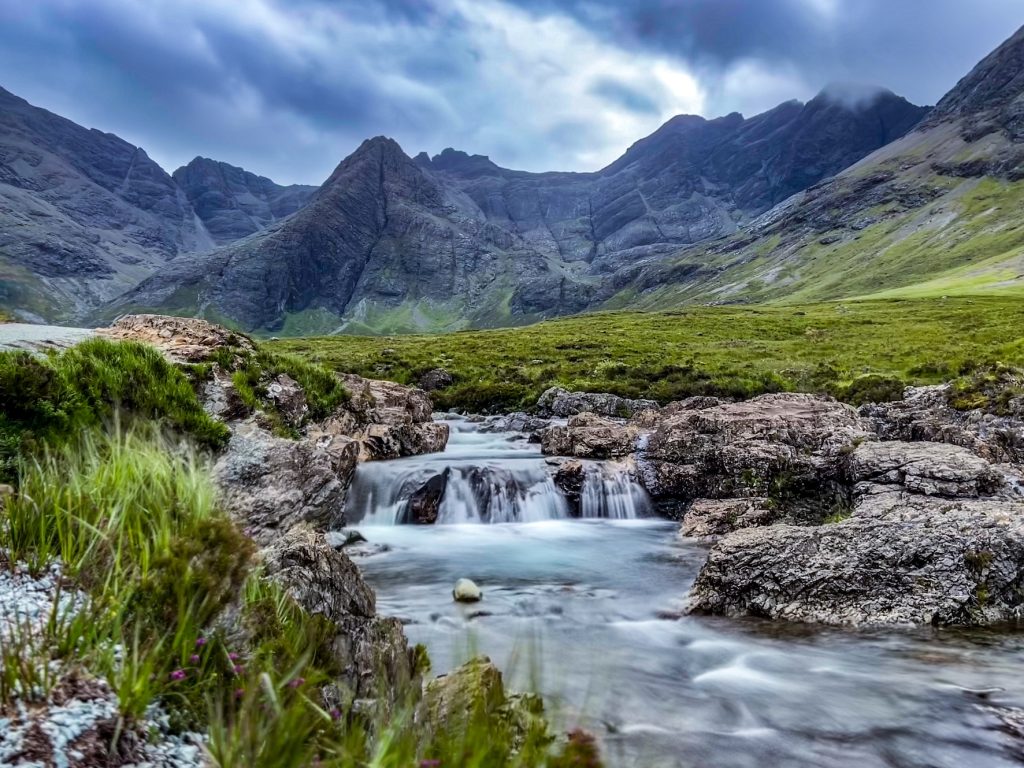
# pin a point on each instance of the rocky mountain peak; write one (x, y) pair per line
(991, 97)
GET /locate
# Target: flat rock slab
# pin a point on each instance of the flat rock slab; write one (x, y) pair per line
(39, 338)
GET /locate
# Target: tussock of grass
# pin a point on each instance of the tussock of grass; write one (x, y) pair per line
(856, 351)
(252, 372)
(51, 399)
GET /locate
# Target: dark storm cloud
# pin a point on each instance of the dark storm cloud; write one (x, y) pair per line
(629, 98)
(288, 88)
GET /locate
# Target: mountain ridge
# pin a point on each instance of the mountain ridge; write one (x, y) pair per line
(490, 246)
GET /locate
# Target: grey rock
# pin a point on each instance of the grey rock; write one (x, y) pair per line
(932, 469)
(937, 562)
(708, 518)
(436, 378)
(289, 399)
(589, 436)
(561, 403)
(924, 413)
(272, 484)
(792, 447)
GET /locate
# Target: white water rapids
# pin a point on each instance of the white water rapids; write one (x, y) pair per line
(490, 478)
(587, 611)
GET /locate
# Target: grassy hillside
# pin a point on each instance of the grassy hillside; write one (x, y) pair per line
(855, 350)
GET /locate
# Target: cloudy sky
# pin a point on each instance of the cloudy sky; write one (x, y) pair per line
(287, 88)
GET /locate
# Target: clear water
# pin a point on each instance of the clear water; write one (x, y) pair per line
(587, 610)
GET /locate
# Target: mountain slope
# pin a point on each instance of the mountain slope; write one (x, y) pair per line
(935, 212)
(83, 214)
(394, 244)
(232, 202)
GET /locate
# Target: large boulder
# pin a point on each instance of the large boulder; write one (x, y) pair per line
(424, 504)
(791, 448)
(272, 483)
(472, 697)
(387, 419)
(931, 469)
(372, 653)
(561, 403)
(926, 561)
(591, 437)
(185, 339)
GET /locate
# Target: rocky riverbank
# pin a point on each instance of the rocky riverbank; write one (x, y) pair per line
(283, 476)
(901, 512)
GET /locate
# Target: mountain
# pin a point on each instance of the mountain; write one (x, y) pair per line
(84, 215)
(380, 231)
(935, 212)
(232, 202)
(391, 243)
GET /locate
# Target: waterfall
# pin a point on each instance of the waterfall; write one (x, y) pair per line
(609, 491)
(485, 478)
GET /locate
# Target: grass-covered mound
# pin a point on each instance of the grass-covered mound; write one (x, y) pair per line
(857, 351)
(48, 400)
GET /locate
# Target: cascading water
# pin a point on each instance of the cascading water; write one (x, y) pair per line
(486, 478)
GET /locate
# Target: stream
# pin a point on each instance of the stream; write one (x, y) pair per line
(587, 611)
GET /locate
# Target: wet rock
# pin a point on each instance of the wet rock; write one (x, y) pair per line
(517, 421)
(372, 651)
(186, 339)
(792, 448)
(716, 517)
(932, 469)
(424, 504)
(590, 436)
(561, 403)
(436, 378)
(569, 478)
(918, 560)
(466, 591)
(270, 483)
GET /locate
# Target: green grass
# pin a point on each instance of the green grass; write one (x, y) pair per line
(857, 351)
(50, 399)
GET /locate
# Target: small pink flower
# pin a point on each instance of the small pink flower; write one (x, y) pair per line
(194, 658)
(238, 669)
(335, 714)
(239, 693)
(200, 642)
(234, 656)
(297, 682)
(429, 763)
(178, 674)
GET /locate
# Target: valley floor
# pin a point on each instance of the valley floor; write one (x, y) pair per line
(850, 350)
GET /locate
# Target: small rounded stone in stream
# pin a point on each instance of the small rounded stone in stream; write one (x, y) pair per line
(466, 591)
